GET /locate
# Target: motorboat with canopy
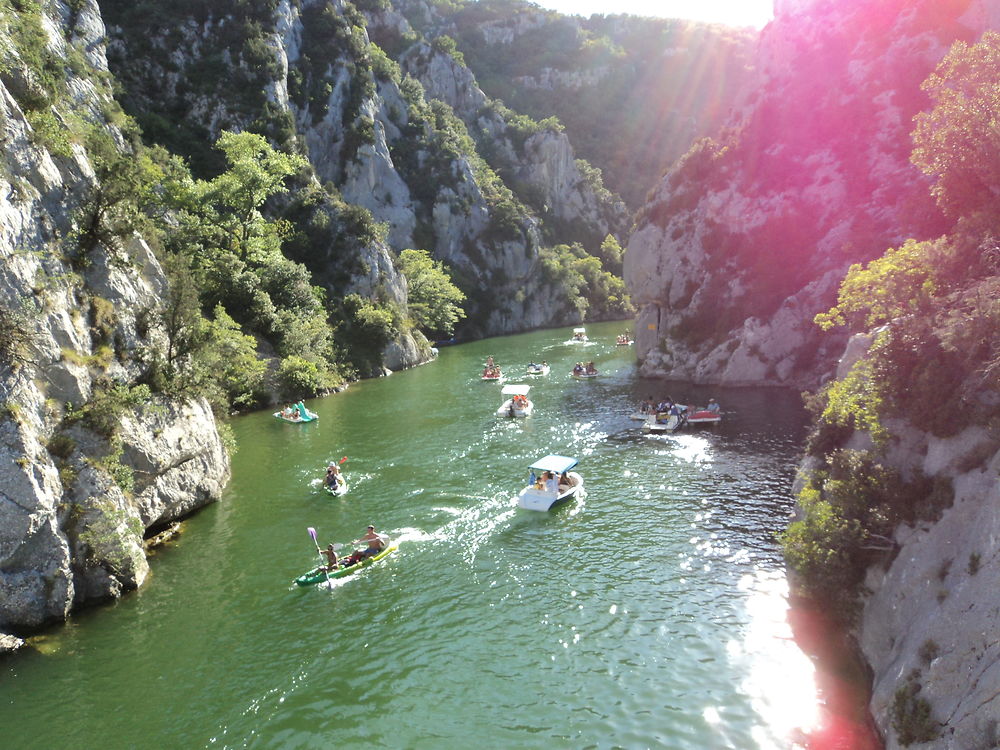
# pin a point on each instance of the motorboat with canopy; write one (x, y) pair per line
(568, 484)
(517, 403)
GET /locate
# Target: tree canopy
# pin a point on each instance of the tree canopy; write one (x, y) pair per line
(957, 143)
(435, 303)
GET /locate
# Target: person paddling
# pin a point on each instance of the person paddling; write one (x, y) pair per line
(331, 558)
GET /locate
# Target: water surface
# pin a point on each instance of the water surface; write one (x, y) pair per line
(651, 614)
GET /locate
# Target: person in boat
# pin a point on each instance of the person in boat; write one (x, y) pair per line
(302, 411)
(489, 363)
(647, 406)
(590, 369)
(551, 483)
(333, 477)
(713, 406)
(578, 368)
(332, 563)
(289, 412)
(375, 542)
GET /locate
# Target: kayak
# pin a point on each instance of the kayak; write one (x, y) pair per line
(317, 575)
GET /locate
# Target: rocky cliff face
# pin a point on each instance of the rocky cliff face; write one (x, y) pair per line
(748, 237)
(409, 155)
(87, 464)
(928, 626)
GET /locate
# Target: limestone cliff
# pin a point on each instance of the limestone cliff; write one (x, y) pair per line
(399, 135)
(88, 460)
(749, 235)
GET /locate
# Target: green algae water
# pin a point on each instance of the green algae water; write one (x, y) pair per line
(651, 614)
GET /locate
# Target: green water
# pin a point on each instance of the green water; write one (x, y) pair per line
(650, 614)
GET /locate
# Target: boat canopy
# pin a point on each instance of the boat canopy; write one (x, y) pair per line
(579, 330)
(557, 464)
(516, 389)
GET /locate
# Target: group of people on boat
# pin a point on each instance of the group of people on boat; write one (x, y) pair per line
(376, 543)
(296, 412)
(549, 482)
(669, 408)
(581, 368)
(491, 370)
(624, 339)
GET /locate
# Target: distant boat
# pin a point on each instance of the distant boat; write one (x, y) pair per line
(579, 336)
(536, 369)
(533, 498)
(518, 404)
(297, 414)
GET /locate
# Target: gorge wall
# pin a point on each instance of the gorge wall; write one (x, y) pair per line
(80, 486)
(750, 234)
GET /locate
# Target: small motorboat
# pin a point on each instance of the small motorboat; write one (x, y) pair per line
(317, 575)
(570, 484)
(624, 340)
(663, 422)
(518, 404)
(538, 369)
(297, 414)
(584, 371)
(579, 336)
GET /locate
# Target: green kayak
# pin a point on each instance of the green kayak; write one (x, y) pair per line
(316, 575)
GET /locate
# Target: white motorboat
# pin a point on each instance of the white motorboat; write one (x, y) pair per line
(579, 336)
(518, 404)
(538, 369)
(662, 422)
(569, 483)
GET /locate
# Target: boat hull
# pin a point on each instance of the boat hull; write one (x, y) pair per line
(317, 575)
(657, 423)
(533, 499)
(539, 371)
(505, 410)
(312, 417)
(704, 417)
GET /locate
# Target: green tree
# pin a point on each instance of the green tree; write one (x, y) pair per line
(256, 172)
(434, 301)
(957, 143)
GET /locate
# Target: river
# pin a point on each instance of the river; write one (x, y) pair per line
(651, 614)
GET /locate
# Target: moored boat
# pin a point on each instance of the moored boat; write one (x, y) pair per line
(568, 484)
(317, 575)
(518, 405)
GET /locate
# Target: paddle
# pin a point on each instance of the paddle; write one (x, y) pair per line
(312, 533)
